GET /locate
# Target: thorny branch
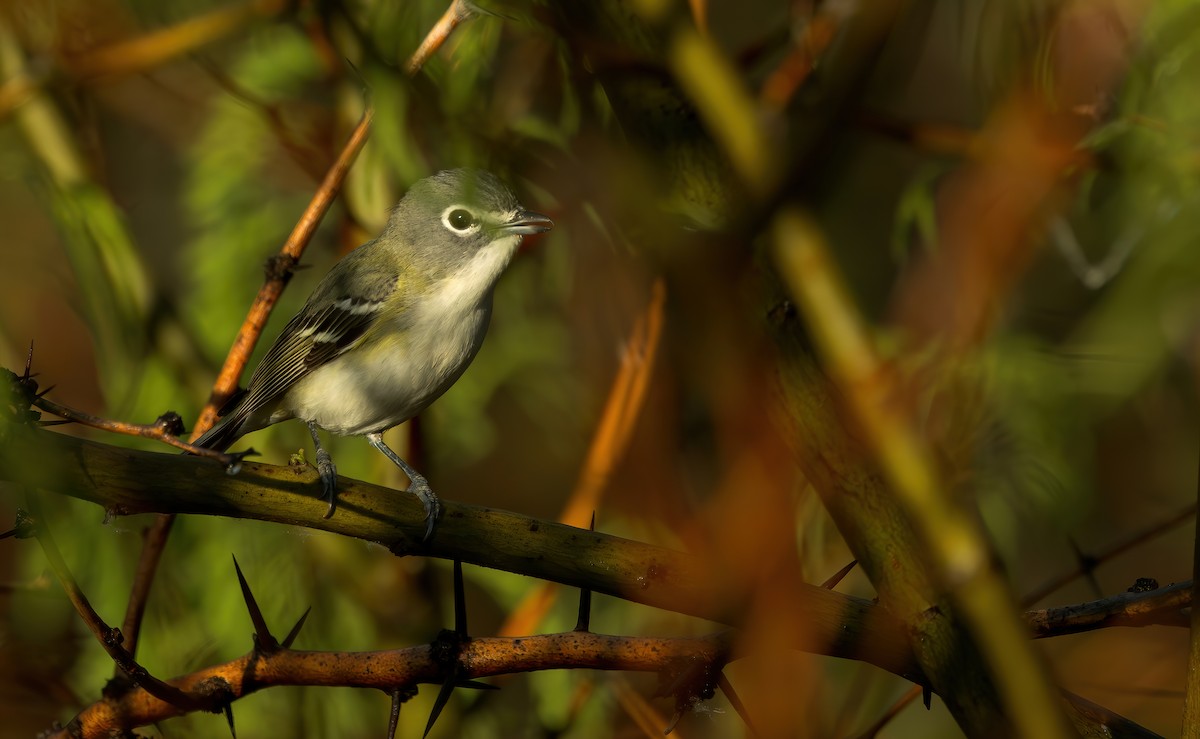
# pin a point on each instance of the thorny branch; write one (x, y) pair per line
(841, 625)
(398, 668)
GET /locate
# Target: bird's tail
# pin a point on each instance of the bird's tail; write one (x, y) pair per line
(222, 436)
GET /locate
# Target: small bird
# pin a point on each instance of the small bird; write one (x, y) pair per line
(392, 326)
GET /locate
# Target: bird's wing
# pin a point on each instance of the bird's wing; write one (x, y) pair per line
(333, 320)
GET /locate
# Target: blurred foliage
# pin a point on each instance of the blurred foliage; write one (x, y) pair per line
(141, 209)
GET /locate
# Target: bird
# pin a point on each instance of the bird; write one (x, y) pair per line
(391, 326)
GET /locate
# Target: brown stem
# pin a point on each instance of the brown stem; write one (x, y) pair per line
(159, 430)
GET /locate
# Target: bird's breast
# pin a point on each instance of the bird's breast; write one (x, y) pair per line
(398, 369)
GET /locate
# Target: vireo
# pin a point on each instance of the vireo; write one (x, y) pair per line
(393, 324)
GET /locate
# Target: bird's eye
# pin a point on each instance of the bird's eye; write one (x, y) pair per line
(460, 219)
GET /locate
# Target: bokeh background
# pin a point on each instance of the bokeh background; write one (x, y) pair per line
(1008, 187)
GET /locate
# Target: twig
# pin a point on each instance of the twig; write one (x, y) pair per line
(158, 47)
(1159, 607)
(699, 10)
(621, 411)
(110, 639)
(154, 540)
(280, 270)
(163, 429)
(644, 715)
(1110, 553)
(139, 54)
(783, 82)
(308, 158)
(458, 12)
(892, 712)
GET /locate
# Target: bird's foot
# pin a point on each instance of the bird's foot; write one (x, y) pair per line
(433, 506)
(328, 475)
(418, 485)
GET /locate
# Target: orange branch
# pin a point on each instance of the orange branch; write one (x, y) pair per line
(158, 47)
(621, 410)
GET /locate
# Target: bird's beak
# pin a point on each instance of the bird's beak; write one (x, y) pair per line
(527, 222)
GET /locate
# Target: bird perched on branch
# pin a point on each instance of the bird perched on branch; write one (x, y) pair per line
(392, 326)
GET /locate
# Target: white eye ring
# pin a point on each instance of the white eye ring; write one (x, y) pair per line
(460, 220)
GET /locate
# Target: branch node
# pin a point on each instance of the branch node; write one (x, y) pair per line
(21, 392)
(168, 423)
(23, 526)
(280, 267)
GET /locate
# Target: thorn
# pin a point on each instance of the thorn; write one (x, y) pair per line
(291, 637)
(926, 696)
(475, 685)
(229, 718)
(584, 621)
(439, 703)
(1087, 566)
(674, 721)
(840, 575)
(394, 719)
(41, 393)
(28, 361)
(55, 422)
(460, 601)
(732, 696)
(262, 634)
(366, 86)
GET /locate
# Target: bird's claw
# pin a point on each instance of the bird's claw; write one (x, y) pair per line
(328, 475)
(433, 506)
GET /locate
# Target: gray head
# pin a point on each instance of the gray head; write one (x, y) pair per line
(458, 217)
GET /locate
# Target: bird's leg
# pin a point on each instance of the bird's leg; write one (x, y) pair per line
(326, 469)
(419, 487)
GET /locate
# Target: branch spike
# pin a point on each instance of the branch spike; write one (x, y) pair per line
(439, 703)
(229, 717)
(460, 601)
(1087, 566)
(394, 719)
(475, 685)
(674, 721)
(584, 621)
(262, 633)
(291, 637)
(727, 688)
(840, 575)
